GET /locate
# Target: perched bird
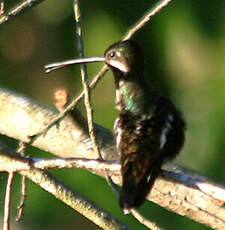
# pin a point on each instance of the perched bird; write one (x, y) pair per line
(149, 129)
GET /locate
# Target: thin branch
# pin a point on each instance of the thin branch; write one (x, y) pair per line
(146, 18)
(6, 219)
(74, 200)
(17, 10)
(56, 119)
(151, 225)
(23, 198)
(11, 163)
(99, 76)
(87, 92)
(102, 167)
(21, 150)
(83, 69)
(89, 164)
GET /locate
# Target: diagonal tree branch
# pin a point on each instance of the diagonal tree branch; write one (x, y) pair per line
(21, 118)
(146, 18)
(74, 200)
(17, 10)
(179, 190)
(59, 190)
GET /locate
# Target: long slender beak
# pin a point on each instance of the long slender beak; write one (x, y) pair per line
(58, 65)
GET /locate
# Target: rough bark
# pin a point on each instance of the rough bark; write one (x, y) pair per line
(179, 190)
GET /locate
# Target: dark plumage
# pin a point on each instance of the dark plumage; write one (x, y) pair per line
(149, 129)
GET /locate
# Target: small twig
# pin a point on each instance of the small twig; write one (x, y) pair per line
(89, 164)
(21, 149)
(83, 69)
(87, 98)
(21, 7)
(146, 18)
(6, 221)
(99, 76)
(151, 225)
(23, 198)
(24, 164)
(57, 119)
(112, 184)
(73, 199)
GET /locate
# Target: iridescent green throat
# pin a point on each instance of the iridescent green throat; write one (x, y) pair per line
(131, 97)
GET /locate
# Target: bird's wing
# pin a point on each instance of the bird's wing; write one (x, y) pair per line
(143, 144)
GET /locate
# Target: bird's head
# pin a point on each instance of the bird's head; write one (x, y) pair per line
(124, 56)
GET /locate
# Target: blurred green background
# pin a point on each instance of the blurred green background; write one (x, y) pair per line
(184, 50)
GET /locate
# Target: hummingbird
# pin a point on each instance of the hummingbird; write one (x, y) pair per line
(149, 130)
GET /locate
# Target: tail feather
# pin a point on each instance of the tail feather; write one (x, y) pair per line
(133, 195)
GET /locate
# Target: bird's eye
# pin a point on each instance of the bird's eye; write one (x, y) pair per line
(112, 54)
